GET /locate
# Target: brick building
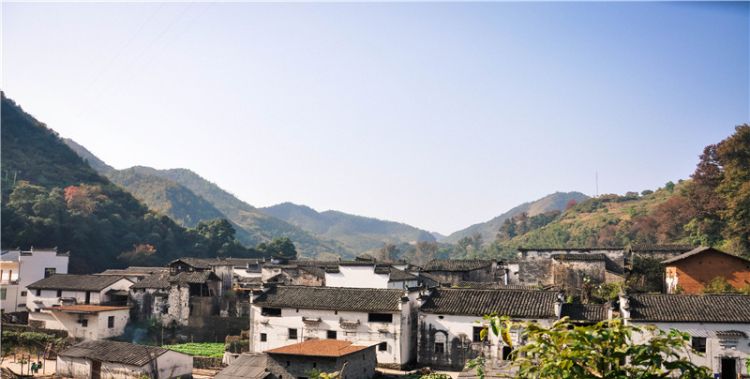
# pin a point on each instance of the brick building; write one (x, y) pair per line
(691, 271)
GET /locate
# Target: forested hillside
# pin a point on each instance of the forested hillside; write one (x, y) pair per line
(711, 208)
(51, 197)
(487, 230)
(357, 233)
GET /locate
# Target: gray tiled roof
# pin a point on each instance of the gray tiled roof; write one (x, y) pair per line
(585, 312)
(75, 282)
(113, 351)
(158, 280)
(456, 264)
(332, 298)
(400, 275)
(133, 271)
(246, 366)
(690, 308)
(163, 280)
(479, 302)
(494, 285)
(578, 257)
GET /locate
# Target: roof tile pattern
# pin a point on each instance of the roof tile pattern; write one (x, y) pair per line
(690, 308)
(479, 302)
(456, 265)
(319, 348)
(585, 312)
(332, 298)
(75, 282)
(115, 352)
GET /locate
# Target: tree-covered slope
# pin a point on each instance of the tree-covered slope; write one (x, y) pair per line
(356, 232)
(488, 230)
(51, 197)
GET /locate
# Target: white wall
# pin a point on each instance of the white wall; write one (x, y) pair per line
(73, 367)
(716, 348)
(403, 285)
(357, 277)
(242, 273)
(97, 328)
(49, 298)
(277, 330)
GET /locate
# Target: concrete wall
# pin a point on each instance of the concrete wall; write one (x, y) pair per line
(97, 328)
(693, 273)
(716, 348)
(276, 330)
(357, 277)
(73, 367)
(173, 364)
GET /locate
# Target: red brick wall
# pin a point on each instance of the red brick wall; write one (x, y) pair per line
(696, 271)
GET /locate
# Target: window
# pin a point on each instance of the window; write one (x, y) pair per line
(315, 364)
(270, 312)
(331, 334)
(477, 335)
(49, 271)
(292, 334)
(39, 292)
(263, 337)
(379, 317)
(23, 293)
(383, 346)
(59, 293)
(3, 293)
(699, 344)
(439, 348)
(288, 363)
(111, 322)
(84, 323)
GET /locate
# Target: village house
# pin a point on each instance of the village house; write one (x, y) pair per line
(134, 273)
(122, 360)
(719, 326)
(175, 298)
(566, 268)
(450, 322)
(19, 268)
(283, 315)
(690, 272)
(300, 360)
(452, 271)
(367, 274)
(295, 275)
(90, 307)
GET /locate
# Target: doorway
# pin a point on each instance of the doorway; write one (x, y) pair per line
(96, 370)
(728, 368)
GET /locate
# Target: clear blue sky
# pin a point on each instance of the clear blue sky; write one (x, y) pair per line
(439, 115)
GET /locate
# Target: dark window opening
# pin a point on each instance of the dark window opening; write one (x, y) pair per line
(59, 293)
(270, 312)
(699, 344)
(84, 323)
(383, 346)
(88, 298)
(23, 293)
(263, 337)
(49, 271)
(379, 317)
(439, 348)
(111, 322)
(477, 334)
(292, 334)
(39, 292)
(331, 334)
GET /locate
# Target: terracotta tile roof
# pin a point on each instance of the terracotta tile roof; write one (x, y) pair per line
(86, 308)
(319, 348)
(690, 308)
(114, 351)
(456, 264)
(75, 282)
(585, 312)
(332, 298)
(479, 302)
(700, 250)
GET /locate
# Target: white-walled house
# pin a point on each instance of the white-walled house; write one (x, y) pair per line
(451, 320)
(122, 360)
(90, 307)
(284, 315)
(719, 326)
(20, 268)
(363, 274)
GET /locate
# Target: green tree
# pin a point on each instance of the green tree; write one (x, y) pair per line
(604, 350)
(734, 155)
(279, 247)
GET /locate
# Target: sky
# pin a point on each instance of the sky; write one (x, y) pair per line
(439, 115)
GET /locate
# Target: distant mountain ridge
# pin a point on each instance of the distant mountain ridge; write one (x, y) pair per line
(553, 202)
(357, 233)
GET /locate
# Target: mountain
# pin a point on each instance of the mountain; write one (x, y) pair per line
(189, 198)
(357, 233)
(52, 197)
(553, 202)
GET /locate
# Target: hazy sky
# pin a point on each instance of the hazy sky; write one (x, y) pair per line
(439, 115)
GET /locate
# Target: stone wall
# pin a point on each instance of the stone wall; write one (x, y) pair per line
(357, 365)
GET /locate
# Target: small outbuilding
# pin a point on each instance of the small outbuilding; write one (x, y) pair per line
(113, 359)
